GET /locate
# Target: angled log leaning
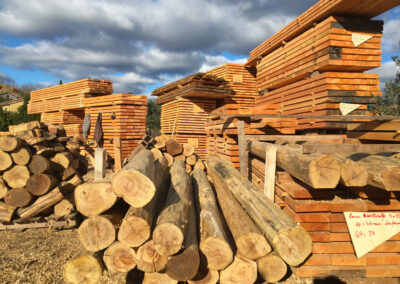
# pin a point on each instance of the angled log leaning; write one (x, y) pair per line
(291, 241)
(241, 270)
(171, 227)
(119, 258)
(22, 156)
(272, 268)
(6, 212)
(213, 239)
(316, 170)
(5, 161)
(93, 198)
(149, 260)
(9, 143)
(17, 176)
(85, 269)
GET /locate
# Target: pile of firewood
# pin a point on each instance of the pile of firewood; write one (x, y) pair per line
(39, 169)
(152, 215)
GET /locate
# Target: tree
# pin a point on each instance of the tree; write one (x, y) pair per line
(153, 117)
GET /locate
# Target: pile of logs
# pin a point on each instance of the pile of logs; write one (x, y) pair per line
(174, 226)
(38, 172)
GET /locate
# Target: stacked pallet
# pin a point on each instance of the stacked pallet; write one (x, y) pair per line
(67, 96)
(241, 80)
(375, 131)
(123, 116)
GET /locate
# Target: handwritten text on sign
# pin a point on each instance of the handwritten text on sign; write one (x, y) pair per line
(371, 229)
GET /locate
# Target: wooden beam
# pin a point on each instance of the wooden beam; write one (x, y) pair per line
(270, 169)
(295, 138)
(299, 116)
(327, 148)
(243, 158)
(99, 164)
(117, 154)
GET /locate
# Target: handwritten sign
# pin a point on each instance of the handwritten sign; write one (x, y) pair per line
(359, 39)
(371, 229)
(346, 108)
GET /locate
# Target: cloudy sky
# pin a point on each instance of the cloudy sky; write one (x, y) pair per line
(144, 44)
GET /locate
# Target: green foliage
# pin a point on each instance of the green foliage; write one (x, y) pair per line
(13, 118)
(153, 117)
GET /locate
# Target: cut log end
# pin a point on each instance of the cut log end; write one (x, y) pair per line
(22, 156)
(94, 198)
(253, 245)
(83, 270)
(242, 270)
(169, 158)
(5, 161)
(134, 231)
(218, 253)
(149, 260)
(352, 174)
(17, 197)
(168, 239)
(272, 268)
(119, 258)
(39, 184)
(157, 278)
(184, 266)
(324, 172)
(9, 143)
(391, 179)
(17, 177)
(211, 277)
(96, 233)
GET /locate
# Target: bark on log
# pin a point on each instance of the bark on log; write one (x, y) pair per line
(83, 270)
(156, 153)
(63, 208)
(188, 150)
(119, 258)
(22, 156)
(6, 212)
(157, 278)
(61, 161)
(39, 184)
(291, 241)
(67, 173)
(3, 188)
(93, 198)
(149, 260)
(191, 160)
(169, 158)
(160, 142)
(171, 225)
(185, 265)
(41, 204)
(199, 165)
(5, 161)
(181, 158)
(17, 177)
(39, 165)
(213, 239)
(9, 143)
(173, 147)
(316, 170)
(351, 173)
(242, 270)
(24, 127)
(272, 268)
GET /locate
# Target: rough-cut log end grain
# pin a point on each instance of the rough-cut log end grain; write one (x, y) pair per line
(168, 239)
(96, 233)
(61, 161)
(149, 260)
(94, 198)
(188, 169)
(158, 278)
(119, 258)
(83, 270)
(173, 147)
(39, 184)
(3, 188)
(218, 252)
(9, 143)
(160, 142)
(169, 158)
(17, 177)
(324, 172)
(63, 208)
(242, 270)
(272, 268)
(5, 161)
(211, 277)
(188, 150)
(6, 212)
(293, 245)
(39, 164)
(199, 165)
(17, 197)
(184, 266)
(156, 153)
(352, 174)
(134, 231)
(134, 187)
(191, 160)
(253, 245)
(22, 156)
(391, 179)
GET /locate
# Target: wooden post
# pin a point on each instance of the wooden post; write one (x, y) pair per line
(99, 163)
(270, 168)
(117, 154)
(242, 148)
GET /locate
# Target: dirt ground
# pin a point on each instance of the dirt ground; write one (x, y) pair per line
(39, 255)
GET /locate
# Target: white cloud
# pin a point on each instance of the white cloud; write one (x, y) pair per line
(387, 72)
(391, 36)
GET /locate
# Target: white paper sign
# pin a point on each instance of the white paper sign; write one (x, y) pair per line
(359, 39)
(346, 108)
(371, 229)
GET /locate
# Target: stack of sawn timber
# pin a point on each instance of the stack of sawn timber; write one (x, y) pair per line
(71, 120)
(373, 186)
(375, 131)
(38, 173)
(156, 212)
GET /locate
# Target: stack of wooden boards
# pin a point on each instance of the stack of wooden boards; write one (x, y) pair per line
(123, 116)
(170, 226)
(38, 173)
(375, 131)
(72, 120)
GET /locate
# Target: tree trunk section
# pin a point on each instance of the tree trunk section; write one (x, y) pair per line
(63, 208)
(9, 143)
(6, 212)
(70, 185)
(61, 161)
(39, 184)
(242, 270)
(83, 270)
(93, 198)
(188, 150)
(191, 160)
(291, 241)
(199, 165)
(119, 258)
(158, 278)
(173, 147)
(41, 204)
(17, 177)
(22, 156)
(169, 158)
(149, 260)
(272, 268)
(39, 165)
(160, 142)
(171, 225)
(5, 161)
(316, 170)
(156, 153)
(67, 173)
(17, 197)
(3, 188)
(213, 239)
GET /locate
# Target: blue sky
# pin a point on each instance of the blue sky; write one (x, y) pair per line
(141, 45)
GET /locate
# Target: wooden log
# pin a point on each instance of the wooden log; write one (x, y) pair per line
(63, 208)
(61, 161)
(24, 127)
(169, 158)
(316, 170)
(41, 204)
(205, 275)
(272, 268)
(242, 270)
(171, 225)
(133, 183)
(9, 143)
(39, 184)
(191, 160)
(17, 197)
(3, 188)
(5, 161)
(185, 265)
(22, 156)
(188, 150)
(199, 165)
(180, 158)
(39, 165)
(351, 173)
(138, 222)
(214, 242)
(157, 278)
(173, 147)
(70, 185)
(93, 198)
(159, 142)
(67, 173)
(156, 153)
(149, 260)
(73, 147)
(6, 212)
(119, 258)
(85, 269)
(291, 241)
(17, 176)
(188, 168)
